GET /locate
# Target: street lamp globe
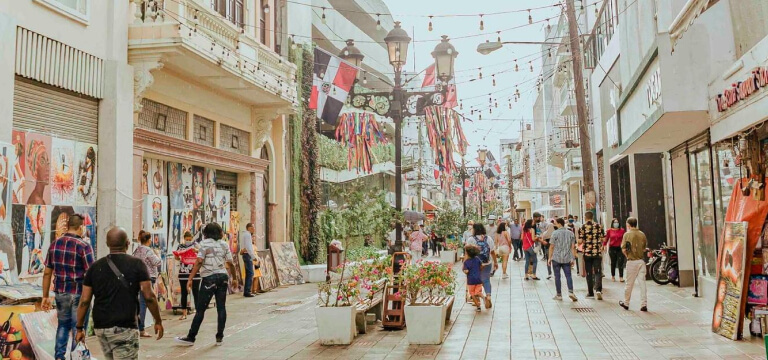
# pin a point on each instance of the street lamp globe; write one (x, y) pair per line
(352, 54)
(397, 46)
(445, 56)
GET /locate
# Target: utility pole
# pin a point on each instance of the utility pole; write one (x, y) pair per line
(588, 189)
(511, 187)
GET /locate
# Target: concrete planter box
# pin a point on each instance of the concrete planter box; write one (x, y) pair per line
(448, 256)
(335, 325)
(425, 324)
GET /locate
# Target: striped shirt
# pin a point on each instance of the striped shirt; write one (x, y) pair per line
(69, 257)
(563, 241)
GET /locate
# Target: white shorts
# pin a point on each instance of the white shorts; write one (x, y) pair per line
(503, 250)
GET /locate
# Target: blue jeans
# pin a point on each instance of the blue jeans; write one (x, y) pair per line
(248, 263)
(556, 266)
(66, 308)
(212, 286)
(143, 307)
(531, 260)
(485, 276)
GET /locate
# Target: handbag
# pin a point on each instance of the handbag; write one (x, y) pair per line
(81, 352)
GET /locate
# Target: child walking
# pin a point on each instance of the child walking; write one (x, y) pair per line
(472, 267)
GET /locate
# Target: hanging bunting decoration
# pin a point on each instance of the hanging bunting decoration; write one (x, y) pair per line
(446, 137)
(360, 133)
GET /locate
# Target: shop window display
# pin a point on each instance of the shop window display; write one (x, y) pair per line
(727, 177)
(704, 228)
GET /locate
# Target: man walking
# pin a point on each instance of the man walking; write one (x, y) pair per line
(547, 235)
(246, 251)
(115, 281)
(69, 257)
(562, 252)
(591, 237)
(633, 245)
(214, 260)
(516, 234)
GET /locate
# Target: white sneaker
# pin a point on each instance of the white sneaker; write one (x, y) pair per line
(599, 295)
(572, 296)
(557, 297)
(505, 276)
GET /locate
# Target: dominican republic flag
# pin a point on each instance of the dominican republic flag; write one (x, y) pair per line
(494, 170)
(333, 79)
(430, 78)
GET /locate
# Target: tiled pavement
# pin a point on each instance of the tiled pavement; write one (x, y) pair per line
(524, 323)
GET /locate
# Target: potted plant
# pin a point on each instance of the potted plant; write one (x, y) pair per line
(448, 255)
(426, 285)
(335, 314)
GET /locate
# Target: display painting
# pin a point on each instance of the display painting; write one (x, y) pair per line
(156, 177)
(175, 231)
(8, 253)
(62, 172)
(198, 188)
(6, 182)
(18, 222)
(210, 194)
(87, 175)
(175, 186)
(286, 263)
(16, 344)
(37, 183)
(186, 186)
(18, 141)
(758, 290)
(223, 209)
(35, 243)
(726, 317)
(187, 222)
(268, 279)
(156, 214)
(89, 221)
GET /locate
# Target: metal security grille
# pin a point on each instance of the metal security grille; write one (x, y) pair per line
(60, 113)
(601, 180)
(164, 119)
(226, 180)
(235, 140)
(203, 132)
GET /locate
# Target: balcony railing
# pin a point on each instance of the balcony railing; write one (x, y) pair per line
(567, 101)
(204, 31)
(602, 32)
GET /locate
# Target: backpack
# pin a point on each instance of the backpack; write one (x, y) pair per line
(485, 250)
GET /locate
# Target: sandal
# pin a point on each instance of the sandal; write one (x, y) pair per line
(183, 317)
(145, 334)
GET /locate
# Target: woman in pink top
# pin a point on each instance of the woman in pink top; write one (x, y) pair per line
(613, 236)
(503, 247)
(531, 260)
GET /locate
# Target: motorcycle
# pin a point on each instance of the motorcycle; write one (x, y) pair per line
(662, 265)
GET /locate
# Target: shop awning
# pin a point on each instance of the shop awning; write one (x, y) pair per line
(686, 17)
(668, 131)
(428, 206)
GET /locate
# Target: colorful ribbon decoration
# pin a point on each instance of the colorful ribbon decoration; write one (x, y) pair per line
(359, 132)
(445, 137)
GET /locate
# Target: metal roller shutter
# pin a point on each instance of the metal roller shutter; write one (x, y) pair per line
(59, 113)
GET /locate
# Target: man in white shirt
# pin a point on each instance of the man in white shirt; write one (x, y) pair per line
(246, 251)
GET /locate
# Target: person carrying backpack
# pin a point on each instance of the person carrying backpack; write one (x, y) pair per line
(487, 255)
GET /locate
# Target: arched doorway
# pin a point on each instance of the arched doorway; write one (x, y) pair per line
(265, 196)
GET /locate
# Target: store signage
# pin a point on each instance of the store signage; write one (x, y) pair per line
(741, 90)
(653, 87)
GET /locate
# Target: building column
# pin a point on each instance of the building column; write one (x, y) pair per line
(7, 73)
(115, 170)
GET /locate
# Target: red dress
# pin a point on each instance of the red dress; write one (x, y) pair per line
(614, 236)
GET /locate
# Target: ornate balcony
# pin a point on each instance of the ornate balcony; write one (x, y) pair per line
(193, 41)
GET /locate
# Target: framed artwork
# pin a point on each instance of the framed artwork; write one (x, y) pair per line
(156, 214)
(286, 263)
(268, 279)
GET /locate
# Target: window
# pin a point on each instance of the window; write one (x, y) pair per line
(231, 10)
(262, 23)
(76, 9)
(705, 247)
(162, 118)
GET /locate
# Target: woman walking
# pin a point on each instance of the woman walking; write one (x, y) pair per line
(487, 256)
(151, 259)
(503, 246)
(529, 248)
(614, 236)
(186, 254)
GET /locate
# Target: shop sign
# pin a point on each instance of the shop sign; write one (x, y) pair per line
(741, 90)
(557, 198)
(653, 87)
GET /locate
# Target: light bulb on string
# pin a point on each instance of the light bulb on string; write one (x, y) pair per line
(490, 110)
(597, 12)
(549, 53)
(510, 104)
(480, 116)
(582, 5)
(516, 68)
(482, 25)
(496, 105)
(365, 78)
(498, 37)
(322, 18)
(531, 64)
(430, 23)
(481, 73)
(494, 79)
(461, 106)
(549, 27)
(530, 18)
(293, 42)
(378, 21)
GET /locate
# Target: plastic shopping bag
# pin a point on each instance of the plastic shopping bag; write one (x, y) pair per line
(81, 352)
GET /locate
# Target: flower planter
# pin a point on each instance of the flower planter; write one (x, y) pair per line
(335, 325)
(425, 324)
(448, 256)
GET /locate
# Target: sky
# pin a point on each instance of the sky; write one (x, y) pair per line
(502, 123)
